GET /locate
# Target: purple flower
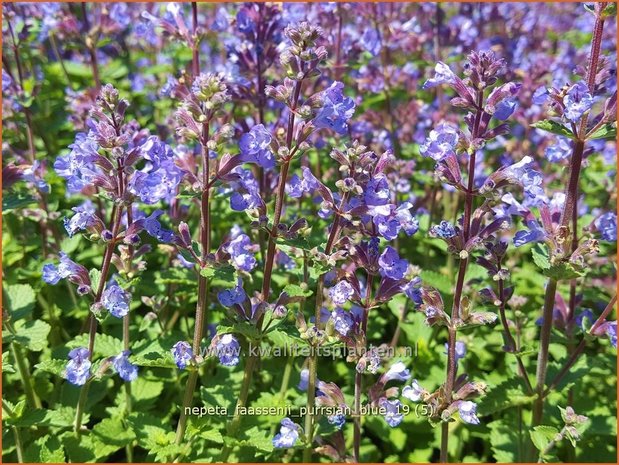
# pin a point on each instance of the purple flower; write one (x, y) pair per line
(371, 41)
(116, 300)
(303, 380)
(444, 230)
(239, 249)
(377, 196)
(341, 292)
(338, 420)
(255, 147)
(412, 289)
(540, 95)
(297, 186)
(77, 370)
(391, 265)
(78, 167)
(442, 75)
(460, 349)
(220, 23)
(559, 151)
(468, 411)
(611, 332)
(336, 109)
(161, 177)
(532, 181)
(154, 229)
(392, 411)
(440, 143)
(244, 23)
(288, 434)
(246, 195)
(125, 369)
(413, 392)
(233, 296)
(85, 217)
(66, 269)
(228, 350)
(577, 101)
(607, 226)
(182, 353)
(342, 321)
(397, 371)
(534, 234)
(505, 108)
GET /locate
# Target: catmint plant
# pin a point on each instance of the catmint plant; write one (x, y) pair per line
(303, 232)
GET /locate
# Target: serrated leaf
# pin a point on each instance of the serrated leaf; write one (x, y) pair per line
(553, 127)
(144, 391)
(95, 277)
(30, 334)
(542, 435)
(6, 365)
(294, 290)
(114, 432)
(246, 329)
(20, 300)
(509, 393)
(105, 345)
(558, 271)
(223, 274)
(55, 367)
(607, 131)
(46, 449)
(504, 442)
(62, 417)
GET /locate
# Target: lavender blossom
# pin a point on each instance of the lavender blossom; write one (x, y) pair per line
(341, 293)
(228, 350)
(288, 434)
(116, 300)
(468, 410)
(77, 370)
(182, 353)
(336, 109)
(125, 369)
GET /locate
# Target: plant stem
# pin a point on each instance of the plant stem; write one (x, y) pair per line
(92, 333)
(542, 359)
(509, 338)
(200, 319)
(92, 50)
(570, 208)
(252, 359)
(358, 375)
(26, 110)
(334, 236)
(580, 348)
(18, 443)
(22, 367)
(452, 363)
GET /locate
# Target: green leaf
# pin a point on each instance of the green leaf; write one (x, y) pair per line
(20, 300)
(504, 442)
(294, 290)
(607, 131)
(153, 437)
(6, 364)
(145, 391)
(509, 393)
(46, 449)
(561, 270)
(246, 329)
(437, 280)
(62, 417)
(223, 275)
(30, 334)
(553, 127)
(13, 201)
(105, 345)
(542, 435)
(55, 367)
(95, 277)
(113, 432)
